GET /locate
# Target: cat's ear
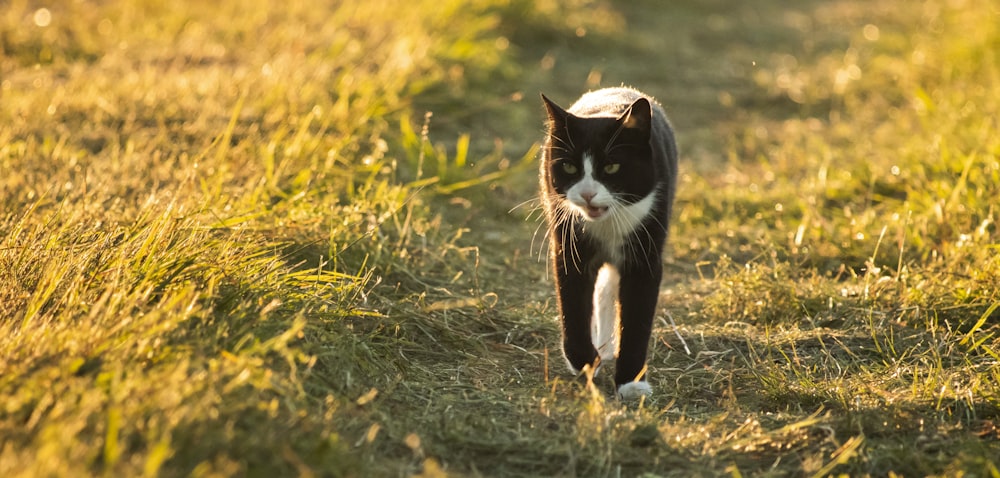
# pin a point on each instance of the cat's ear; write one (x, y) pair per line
(557, 115)
(638, 116)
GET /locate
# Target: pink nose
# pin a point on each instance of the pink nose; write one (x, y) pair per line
(588, 196)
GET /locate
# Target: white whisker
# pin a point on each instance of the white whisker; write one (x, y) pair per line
(613, 148)
(536, 203)
(570, 137)
(608, 147)
(567, 146)
(534, 235)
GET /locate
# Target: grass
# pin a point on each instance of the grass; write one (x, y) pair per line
(235, 243)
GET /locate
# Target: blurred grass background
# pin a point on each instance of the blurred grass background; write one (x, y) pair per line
(260, 239)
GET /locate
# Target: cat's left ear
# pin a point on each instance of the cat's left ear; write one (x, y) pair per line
(638, 116)
(557, 115)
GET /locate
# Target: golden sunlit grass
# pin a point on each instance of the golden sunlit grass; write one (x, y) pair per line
(233, 243)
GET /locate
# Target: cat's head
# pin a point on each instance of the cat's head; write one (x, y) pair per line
(599, 165)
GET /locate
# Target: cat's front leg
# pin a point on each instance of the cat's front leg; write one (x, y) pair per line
(575, 289)
(638, 293)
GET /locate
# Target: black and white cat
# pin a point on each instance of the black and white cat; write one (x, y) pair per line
(608, 174)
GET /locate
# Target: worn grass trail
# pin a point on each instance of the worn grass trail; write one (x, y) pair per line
(233, 242)
(829, 328)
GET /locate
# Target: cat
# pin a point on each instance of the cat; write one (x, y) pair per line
(608, 176)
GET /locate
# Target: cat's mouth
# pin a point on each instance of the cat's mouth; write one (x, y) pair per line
(594, 212)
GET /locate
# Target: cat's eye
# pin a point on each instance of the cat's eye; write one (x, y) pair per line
(612, 168)
(569, 168)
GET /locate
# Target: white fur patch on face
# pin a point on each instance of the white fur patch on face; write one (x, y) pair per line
(604, 324)
(588, 164)
(633, 391)
(588, 196)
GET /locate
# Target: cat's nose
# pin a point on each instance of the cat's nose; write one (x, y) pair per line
(588, 196)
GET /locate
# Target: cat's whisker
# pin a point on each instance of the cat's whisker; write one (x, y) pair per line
(614, 210)
(632, 244)
(536, 203)
(542, 246)
(635, 198)
(567, 146)
(638, 240)
(570, 138)
(614, 147)
(577, 260)
(649, 236)
(566, 216)
(562, 252)
(537, 207)
(611, 142)
(649, 265)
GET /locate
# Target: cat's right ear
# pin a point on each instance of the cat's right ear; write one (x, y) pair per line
(557, 115)
(638, 116)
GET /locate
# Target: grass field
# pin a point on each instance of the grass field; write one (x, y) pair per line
(296, 239)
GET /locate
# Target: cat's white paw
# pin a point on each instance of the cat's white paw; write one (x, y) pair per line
(633, 391)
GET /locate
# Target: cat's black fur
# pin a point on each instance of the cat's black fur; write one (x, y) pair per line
(610, 126)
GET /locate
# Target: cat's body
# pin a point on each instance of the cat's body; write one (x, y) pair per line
(608, 175)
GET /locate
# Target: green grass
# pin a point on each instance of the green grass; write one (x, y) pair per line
(233, 242)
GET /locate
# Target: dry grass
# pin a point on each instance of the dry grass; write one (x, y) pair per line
(234, 244)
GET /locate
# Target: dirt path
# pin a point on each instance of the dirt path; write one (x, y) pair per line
(701, 60)
(758, 378)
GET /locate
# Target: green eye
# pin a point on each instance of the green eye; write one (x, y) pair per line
(569, 168)
(612, 168)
